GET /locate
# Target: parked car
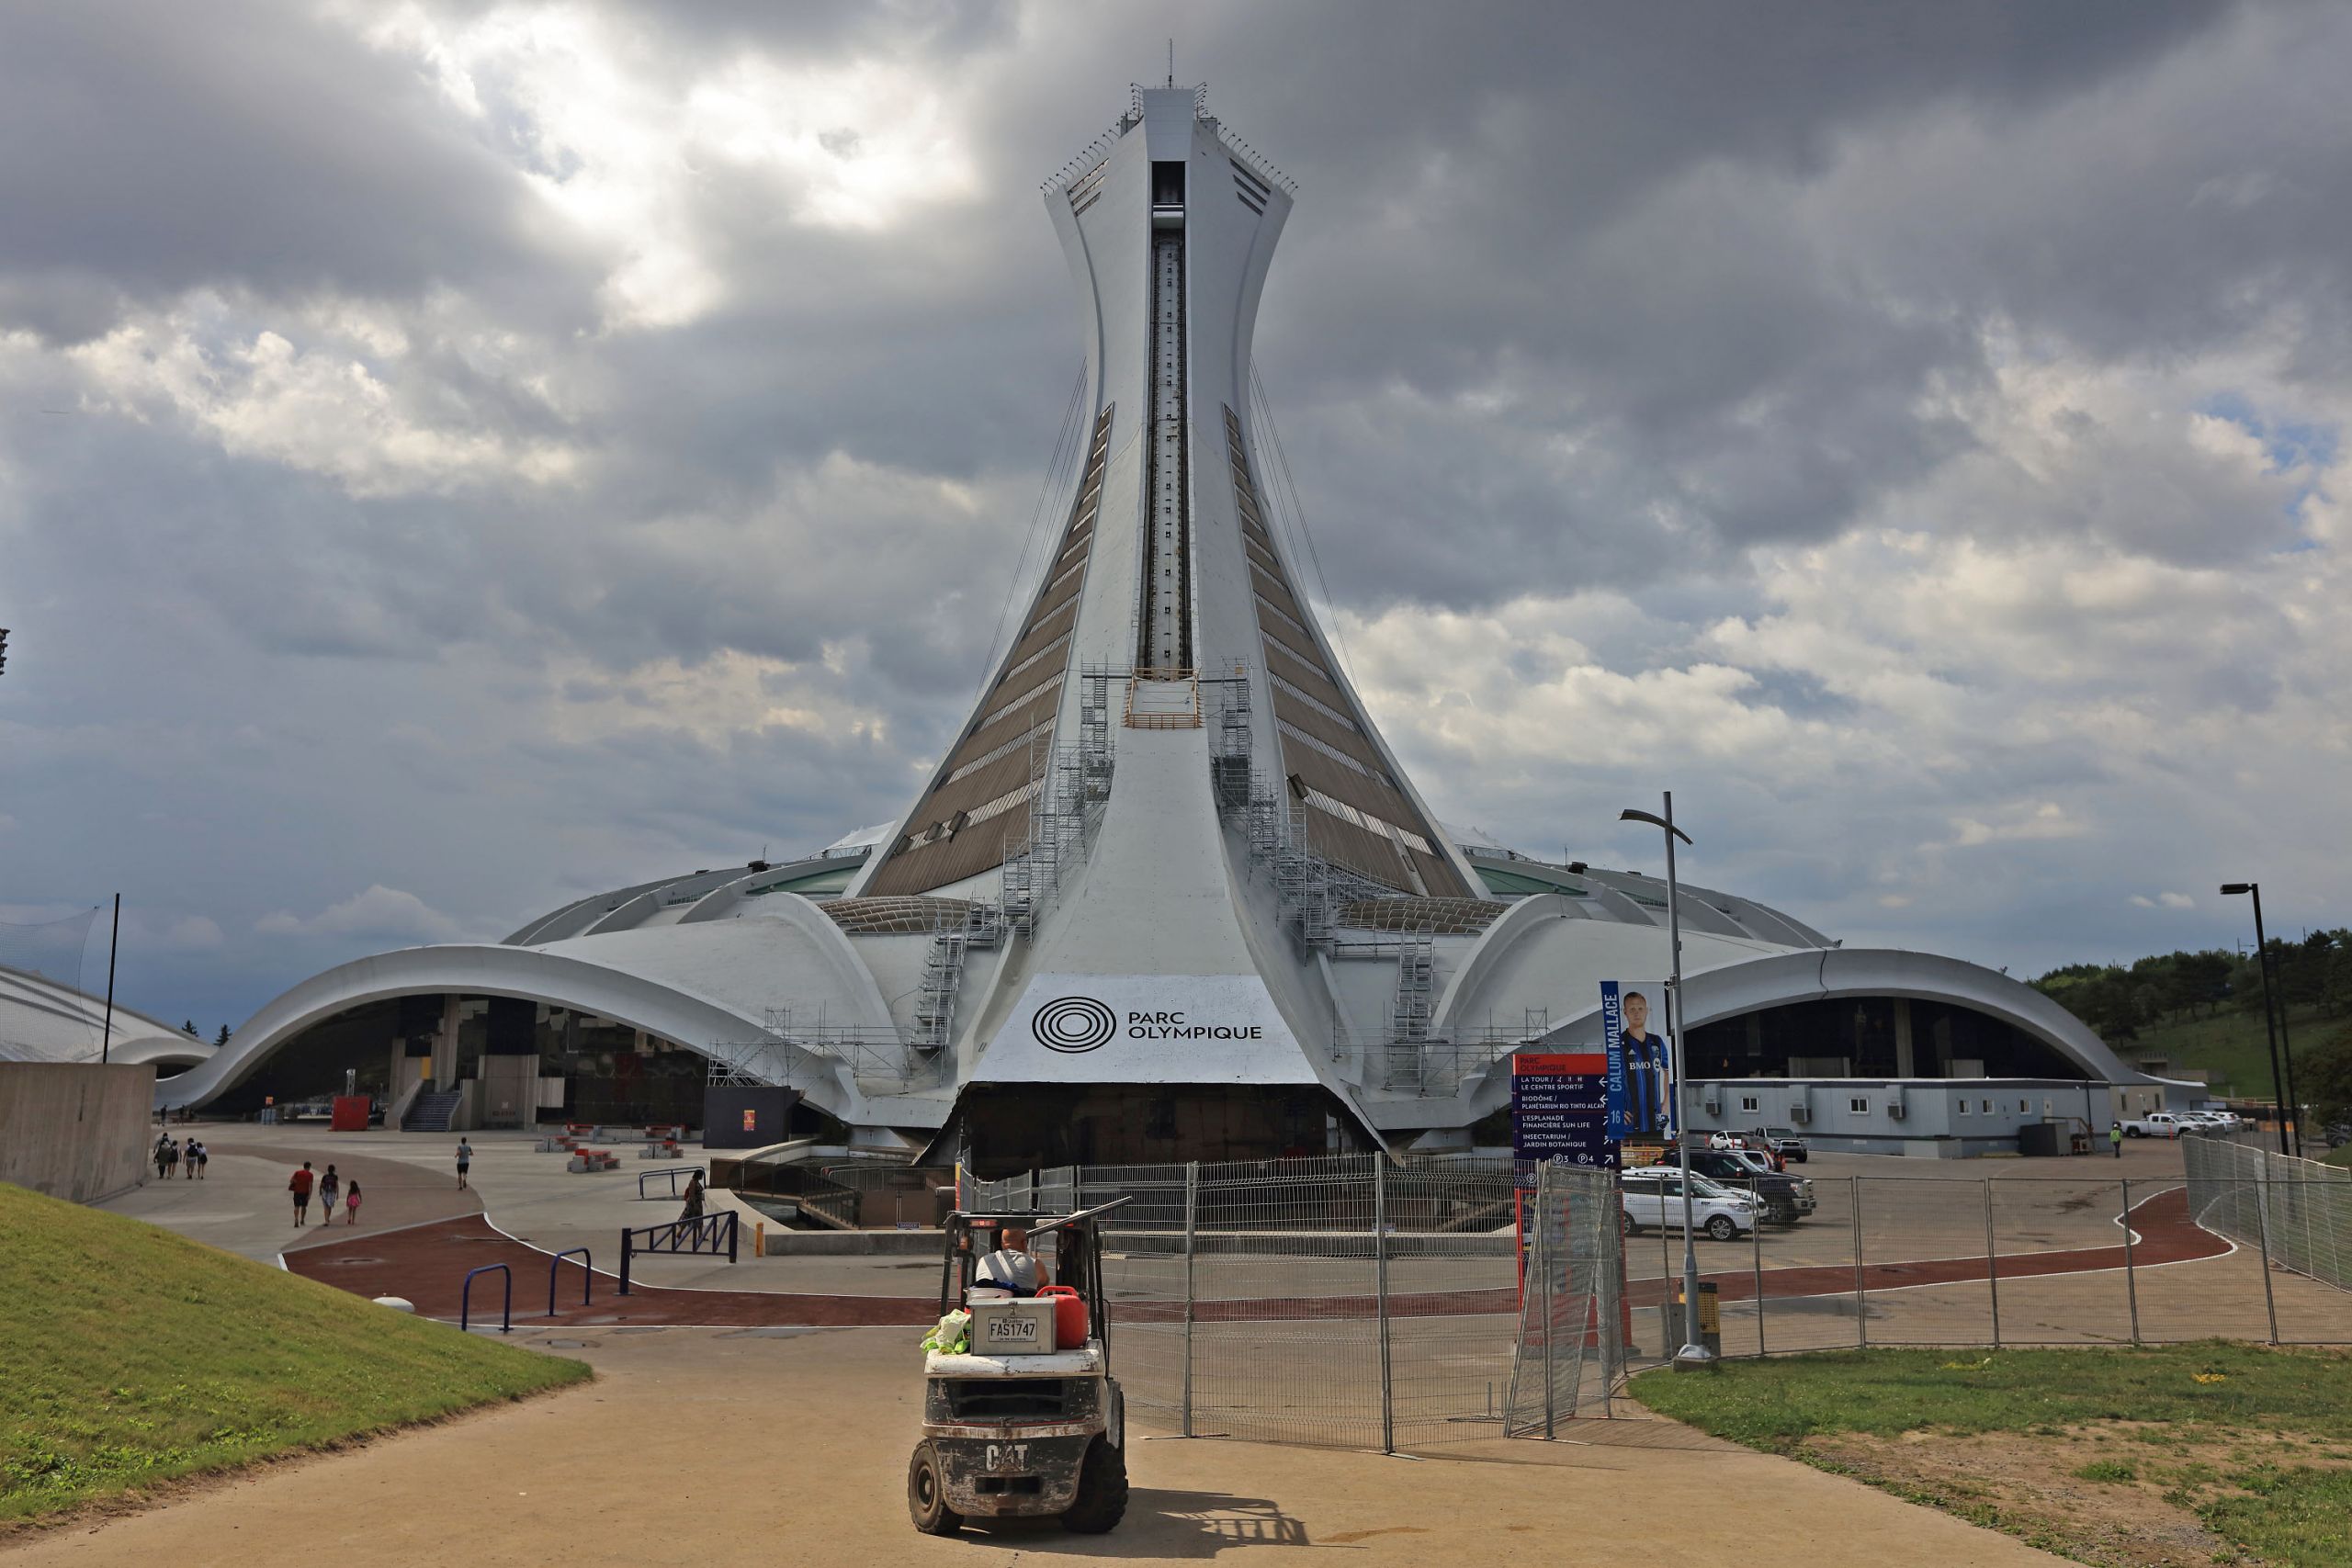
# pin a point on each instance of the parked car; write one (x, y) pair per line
(1784, 1142)
(1652, 1196)
(2226, 1120)
(1787, 1198)
(2163, 1124)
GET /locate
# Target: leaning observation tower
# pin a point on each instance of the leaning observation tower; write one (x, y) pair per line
(1169, 895)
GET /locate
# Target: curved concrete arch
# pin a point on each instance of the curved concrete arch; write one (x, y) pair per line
(1733, 990)
(663, 1008)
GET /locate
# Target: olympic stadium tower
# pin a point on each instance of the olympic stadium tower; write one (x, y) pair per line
(1169, 895)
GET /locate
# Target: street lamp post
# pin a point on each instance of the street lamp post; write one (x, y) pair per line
(2282, 1090)
(1694, 1352)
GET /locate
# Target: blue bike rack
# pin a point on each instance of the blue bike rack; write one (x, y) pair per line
(670, 1172)
(587, 1275)
(466, 1298)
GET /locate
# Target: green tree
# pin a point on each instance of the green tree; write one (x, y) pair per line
(2324, 1079)
(223, 1038)
(190, 1028)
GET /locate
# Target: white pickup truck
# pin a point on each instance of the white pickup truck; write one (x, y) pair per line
(2158, 1124)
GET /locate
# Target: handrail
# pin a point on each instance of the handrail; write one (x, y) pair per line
(587, 1275)
(704, 1234)
(673, 1172)
(466, 1298)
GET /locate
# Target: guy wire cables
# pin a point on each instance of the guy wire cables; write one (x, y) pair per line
(1297, 511)
(1066, 445)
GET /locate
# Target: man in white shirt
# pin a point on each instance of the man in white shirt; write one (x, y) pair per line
(1012, 1267)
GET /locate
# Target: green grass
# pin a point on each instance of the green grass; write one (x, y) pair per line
(130, 1356)
(1777, 1403)
(2182, 1403)
(2230, 1045)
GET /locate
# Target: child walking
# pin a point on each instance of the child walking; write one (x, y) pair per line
(351, 1204)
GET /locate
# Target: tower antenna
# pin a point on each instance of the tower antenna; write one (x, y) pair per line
(1171, 62)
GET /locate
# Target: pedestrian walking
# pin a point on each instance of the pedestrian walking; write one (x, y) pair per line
(329, 1186)
(171, 1157)
(2115, 1137)
(187, 1157)
(299, 1185)
(160, 1145)
(203, 1159)
(465, 1162)
(351, 1205)
(693, 1198)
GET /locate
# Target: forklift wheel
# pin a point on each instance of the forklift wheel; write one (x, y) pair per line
(927, 1493)
(1102, 1491)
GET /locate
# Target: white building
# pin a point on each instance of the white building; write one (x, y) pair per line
(1169, 895)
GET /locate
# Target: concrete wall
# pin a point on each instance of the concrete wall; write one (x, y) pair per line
(75, 1130)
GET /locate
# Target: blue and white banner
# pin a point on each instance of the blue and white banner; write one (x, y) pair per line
(1641, 1062)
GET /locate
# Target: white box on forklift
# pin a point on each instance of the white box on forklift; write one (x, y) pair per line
(1012, 1327)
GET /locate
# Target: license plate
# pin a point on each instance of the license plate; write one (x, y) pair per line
(1012, 1331)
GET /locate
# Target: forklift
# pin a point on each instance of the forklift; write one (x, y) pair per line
(1025, 1420)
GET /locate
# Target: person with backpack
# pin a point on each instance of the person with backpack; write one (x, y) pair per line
(351, 1205)
(299, 1185)
(161, 1144)
(203, 1158)
(171, 1157)
(329, 1185)
(189, 1157)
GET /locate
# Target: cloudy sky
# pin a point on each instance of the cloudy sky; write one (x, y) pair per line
(454, 457)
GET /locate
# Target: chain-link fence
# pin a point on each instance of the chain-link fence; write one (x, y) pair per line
(2297, 1211)
(1350, 1300)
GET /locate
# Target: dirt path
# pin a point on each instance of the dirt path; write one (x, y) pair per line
(750, 1447)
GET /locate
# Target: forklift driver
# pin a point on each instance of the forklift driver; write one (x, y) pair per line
(1012, 1267)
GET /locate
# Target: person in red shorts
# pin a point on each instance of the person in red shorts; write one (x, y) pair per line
(301, 1187)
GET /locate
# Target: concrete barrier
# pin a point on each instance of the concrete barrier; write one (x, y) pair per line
(77, 1130)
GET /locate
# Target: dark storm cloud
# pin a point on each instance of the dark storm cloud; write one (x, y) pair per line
(380, 548)
(149, 149)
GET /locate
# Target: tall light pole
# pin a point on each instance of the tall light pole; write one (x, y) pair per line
(1694, 1352)
(2282, 1090)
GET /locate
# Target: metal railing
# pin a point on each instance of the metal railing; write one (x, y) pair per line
(587, 1274)
(671, 1173)
(705, 1235)
(466, 1298)
(1351, 1301)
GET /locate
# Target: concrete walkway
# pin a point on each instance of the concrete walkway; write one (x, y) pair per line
(752, 1447)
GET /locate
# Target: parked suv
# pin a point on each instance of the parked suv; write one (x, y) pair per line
(1783, 1142)
(1652, 1196)
(1787, 1198)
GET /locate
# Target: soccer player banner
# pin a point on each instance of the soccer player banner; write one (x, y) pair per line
(1633, 1018)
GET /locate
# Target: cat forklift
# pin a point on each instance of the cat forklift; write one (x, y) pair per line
(1021, 1415)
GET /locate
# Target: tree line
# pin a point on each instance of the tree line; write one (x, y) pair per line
(2119, 1000)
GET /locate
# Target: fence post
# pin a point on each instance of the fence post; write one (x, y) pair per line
(1992, 1264)
(2131, 1279)
(1861, 1298)
(1543, 1290)
(2262, 1219)
(626, 1250)
(1380, 1275)
(1191, 1222)
(1756, 1242)
(734, 1227)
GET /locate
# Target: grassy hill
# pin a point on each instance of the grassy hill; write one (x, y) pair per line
(130, 1355)
(2230, 1045)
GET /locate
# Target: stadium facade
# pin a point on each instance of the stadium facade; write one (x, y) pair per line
(1169, 895)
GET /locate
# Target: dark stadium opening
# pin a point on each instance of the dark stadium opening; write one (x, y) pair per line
(1009, 1128)
(1872, 1037)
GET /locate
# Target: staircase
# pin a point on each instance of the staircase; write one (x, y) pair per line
(430, 1112)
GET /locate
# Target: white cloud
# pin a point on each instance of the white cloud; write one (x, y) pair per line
(2163, 901)
(379, 912)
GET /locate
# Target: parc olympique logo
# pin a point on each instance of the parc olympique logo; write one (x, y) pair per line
(1075, 1024)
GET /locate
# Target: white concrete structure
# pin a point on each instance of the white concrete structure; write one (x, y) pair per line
(1169, 895)
(46, 1021)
